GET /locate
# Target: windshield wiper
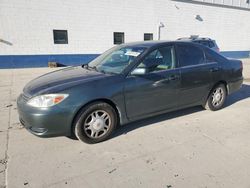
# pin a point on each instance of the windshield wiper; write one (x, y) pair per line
(93, 68)
(86, 66)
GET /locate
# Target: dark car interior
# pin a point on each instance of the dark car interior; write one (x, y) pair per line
(160, 59)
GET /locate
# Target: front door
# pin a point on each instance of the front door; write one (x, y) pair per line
(157, 89)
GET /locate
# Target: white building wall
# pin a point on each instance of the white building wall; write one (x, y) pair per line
(230, 27)
(29, 24)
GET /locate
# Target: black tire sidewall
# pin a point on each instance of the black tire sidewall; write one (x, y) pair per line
(210, 99)
(84, 113)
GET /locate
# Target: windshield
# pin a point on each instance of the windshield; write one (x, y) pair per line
(116, 59)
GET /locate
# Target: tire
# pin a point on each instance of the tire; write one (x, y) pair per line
(216, 98)
(95, 123)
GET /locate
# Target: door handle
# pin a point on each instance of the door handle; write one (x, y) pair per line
(216, 69)
(173, 77)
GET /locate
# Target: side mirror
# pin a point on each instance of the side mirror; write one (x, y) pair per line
(139, 71)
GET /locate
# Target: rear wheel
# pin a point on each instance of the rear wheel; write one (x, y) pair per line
(216, 98)
(95, 123)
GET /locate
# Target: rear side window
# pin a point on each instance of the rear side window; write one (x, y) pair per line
(212, 56)
(209, 57)
(189, 55)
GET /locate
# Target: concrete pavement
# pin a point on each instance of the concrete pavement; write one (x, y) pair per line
(187, 148)
(246, 69)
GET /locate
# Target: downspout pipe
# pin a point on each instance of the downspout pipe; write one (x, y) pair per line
(161, 25)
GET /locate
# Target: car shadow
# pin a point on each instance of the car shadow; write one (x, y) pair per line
(155, 119)
(242, 94)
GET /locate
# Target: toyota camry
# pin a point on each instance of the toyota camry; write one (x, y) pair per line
(127, 83)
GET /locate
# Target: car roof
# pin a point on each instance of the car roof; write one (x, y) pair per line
(196, 39)
(153, 43)
(146, 43)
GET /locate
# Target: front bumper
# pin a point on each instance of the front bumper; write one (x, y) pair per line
(45, 122)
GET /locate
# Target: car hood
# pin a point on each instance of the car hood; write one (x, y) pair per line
(61, 79)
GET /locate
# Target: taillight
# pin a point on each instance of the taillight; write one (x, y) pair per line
(241, 65)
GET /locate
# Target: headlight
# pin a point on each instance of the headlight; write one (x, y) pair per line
(43, 101)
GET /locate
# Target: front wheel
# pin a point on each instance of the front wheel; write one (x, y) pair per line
(95, 123)
(216, 98)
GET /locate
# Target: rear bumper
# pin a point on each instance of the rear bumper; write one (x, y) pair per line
(46, 122)
(234, 85)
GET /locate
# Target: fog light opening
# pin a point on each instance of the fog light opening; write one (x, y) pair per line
(38, 130)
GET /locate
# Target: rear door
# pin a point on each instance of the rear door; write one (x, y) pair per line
(215, 61)
(195, 74)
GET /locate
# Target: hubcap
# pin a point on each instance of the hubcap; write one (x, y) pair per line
(217, 96)
(97, 124)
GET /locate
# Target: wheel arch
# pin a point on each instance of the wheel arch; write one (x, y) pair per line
(105, 100)
(221, 82)
(206, 103)
(211, 89)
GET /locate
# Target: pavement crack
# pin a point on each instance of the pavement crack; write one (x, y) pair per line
(7, 132)
(3, 161)
(9, 105)
(210, 138)
(225, 146)
(111, 171)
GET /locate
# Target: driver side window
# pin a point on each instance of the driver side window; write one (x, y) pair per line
(159, 59)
